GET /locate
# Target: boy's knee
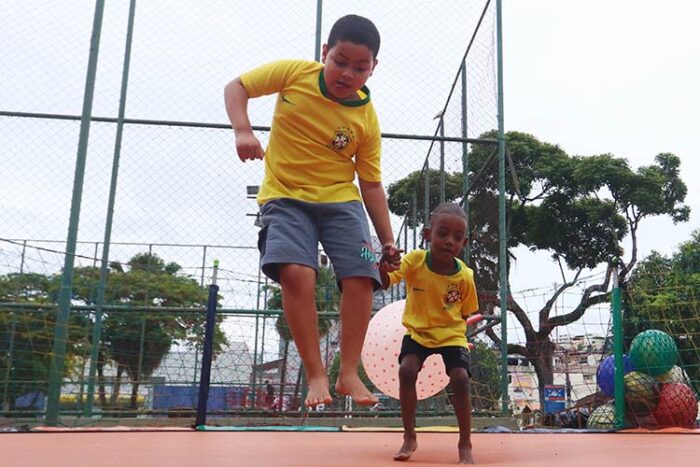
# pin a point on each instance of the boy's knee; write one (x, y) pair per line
(356, 284)
(459, 378)
(408, 373)
(297, 275)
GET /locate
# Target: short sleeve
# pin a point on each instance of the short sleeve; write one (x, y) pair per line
(471, 302)
(408, 263)
(368, 156)
(271, 77)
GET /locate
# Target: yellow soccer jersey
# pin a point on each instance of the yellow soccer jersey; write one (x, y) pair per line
(316, 145)
(436, 304)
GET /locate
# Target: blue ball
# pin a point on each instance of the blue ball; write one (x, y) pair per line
(606, 373)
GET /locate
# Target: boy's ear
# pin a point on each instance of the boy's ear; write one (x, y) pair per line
(426, 234)
(374, 66)
(324, 52)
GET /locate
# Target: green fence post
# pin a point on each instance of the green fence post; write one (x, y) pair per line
(64, 298)
(319, 19)
(618, 353)
(465, 154)
(8, 369)
(502, 234)
(102, 285)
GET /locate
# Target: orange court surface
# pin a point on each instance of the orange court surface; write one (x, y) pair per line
(189, 448)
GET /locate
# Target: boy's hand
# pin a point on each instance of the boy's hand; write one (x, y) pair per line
(391, 258)
(248, 146)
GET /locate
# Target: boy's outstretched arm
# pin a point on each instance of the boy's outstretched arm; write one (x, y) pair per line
(384, 268)
(374, 198)
(236, 100)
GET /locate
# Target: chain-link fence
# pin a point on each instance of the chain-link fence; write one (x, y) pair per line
(181, 196)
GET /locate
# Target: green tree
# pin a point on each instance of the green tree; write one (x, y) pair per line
(401, 193)
(485, 390)
(26, 335)
(137, 342)
(663, 293)
(578, 209)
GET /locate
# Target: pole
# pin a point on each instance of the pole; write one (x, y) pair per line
(8, 369)
(319, 18)
(426, 194)
(502, 252)
(22, 257)
(102, 284)
(465, 156)
(207, 354)
(64, 297)
(414, 218)
(616, 303)
(442, 159)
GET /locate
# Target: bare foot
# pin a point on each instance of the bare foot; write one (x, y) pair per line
(318, 392)
(351, 385)
(404, 453)
(465, 454)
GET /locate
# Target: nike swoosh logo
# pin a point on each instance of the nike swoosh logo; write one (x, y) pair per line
(418, 290)
(285, 99)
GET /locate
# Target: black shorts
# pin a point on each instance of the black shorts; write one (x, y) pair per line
(454, 356)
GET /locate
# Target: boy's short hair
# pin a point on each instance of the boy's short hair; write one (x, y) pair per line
(453, 209)
(355, 29)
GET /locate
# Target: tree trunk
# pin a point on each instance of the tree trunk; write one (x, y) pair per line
(543, 351)
(117, 386)
(134, 394)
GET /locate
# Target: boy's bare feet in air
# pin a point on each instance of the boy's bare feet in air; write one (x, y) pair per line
(409, 445)
(318, 392)
(351, 385)
(465, 454)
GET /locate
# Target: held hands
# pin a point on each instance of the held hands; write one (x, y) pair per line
(391, 258)
(248, 146)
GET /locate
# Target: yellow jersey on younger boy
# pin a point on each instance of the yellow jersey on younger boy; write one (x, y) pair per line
(436, 304)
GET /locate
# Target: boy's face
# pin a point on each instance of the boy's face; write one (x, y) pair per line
(347, 68)
(447, 235)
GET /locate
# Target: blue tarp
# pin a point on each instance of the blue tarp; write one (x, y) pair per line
(185, 397)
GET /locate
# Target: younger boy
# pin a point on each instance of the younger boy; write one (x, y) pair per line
(324, 132)
(440, 295)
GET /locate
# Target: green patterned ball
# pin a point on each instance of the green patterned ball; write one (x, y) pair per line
(602, 418)
(641, 393)
(653, 352)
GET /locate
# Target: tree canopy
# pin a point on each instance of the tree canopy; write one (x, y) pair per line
(135, 342)
(26, 335)
(577, 209)
(664, 293)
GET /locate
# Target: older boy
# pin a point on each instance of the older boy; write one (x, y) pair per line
(324, 132)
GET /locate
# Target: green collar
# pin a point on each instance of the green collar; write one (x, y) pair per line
(428, 260)
(357, 103)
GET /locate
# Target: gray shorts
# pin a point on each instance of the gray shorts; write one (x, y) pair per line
(292, 230)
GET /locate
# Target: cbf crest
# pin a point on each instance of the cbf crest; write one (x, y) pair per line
(452, 294)
(342, 137)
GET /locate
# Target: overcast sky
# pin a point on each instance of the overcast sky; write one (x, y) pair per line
(594, 77)
(608, 76)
